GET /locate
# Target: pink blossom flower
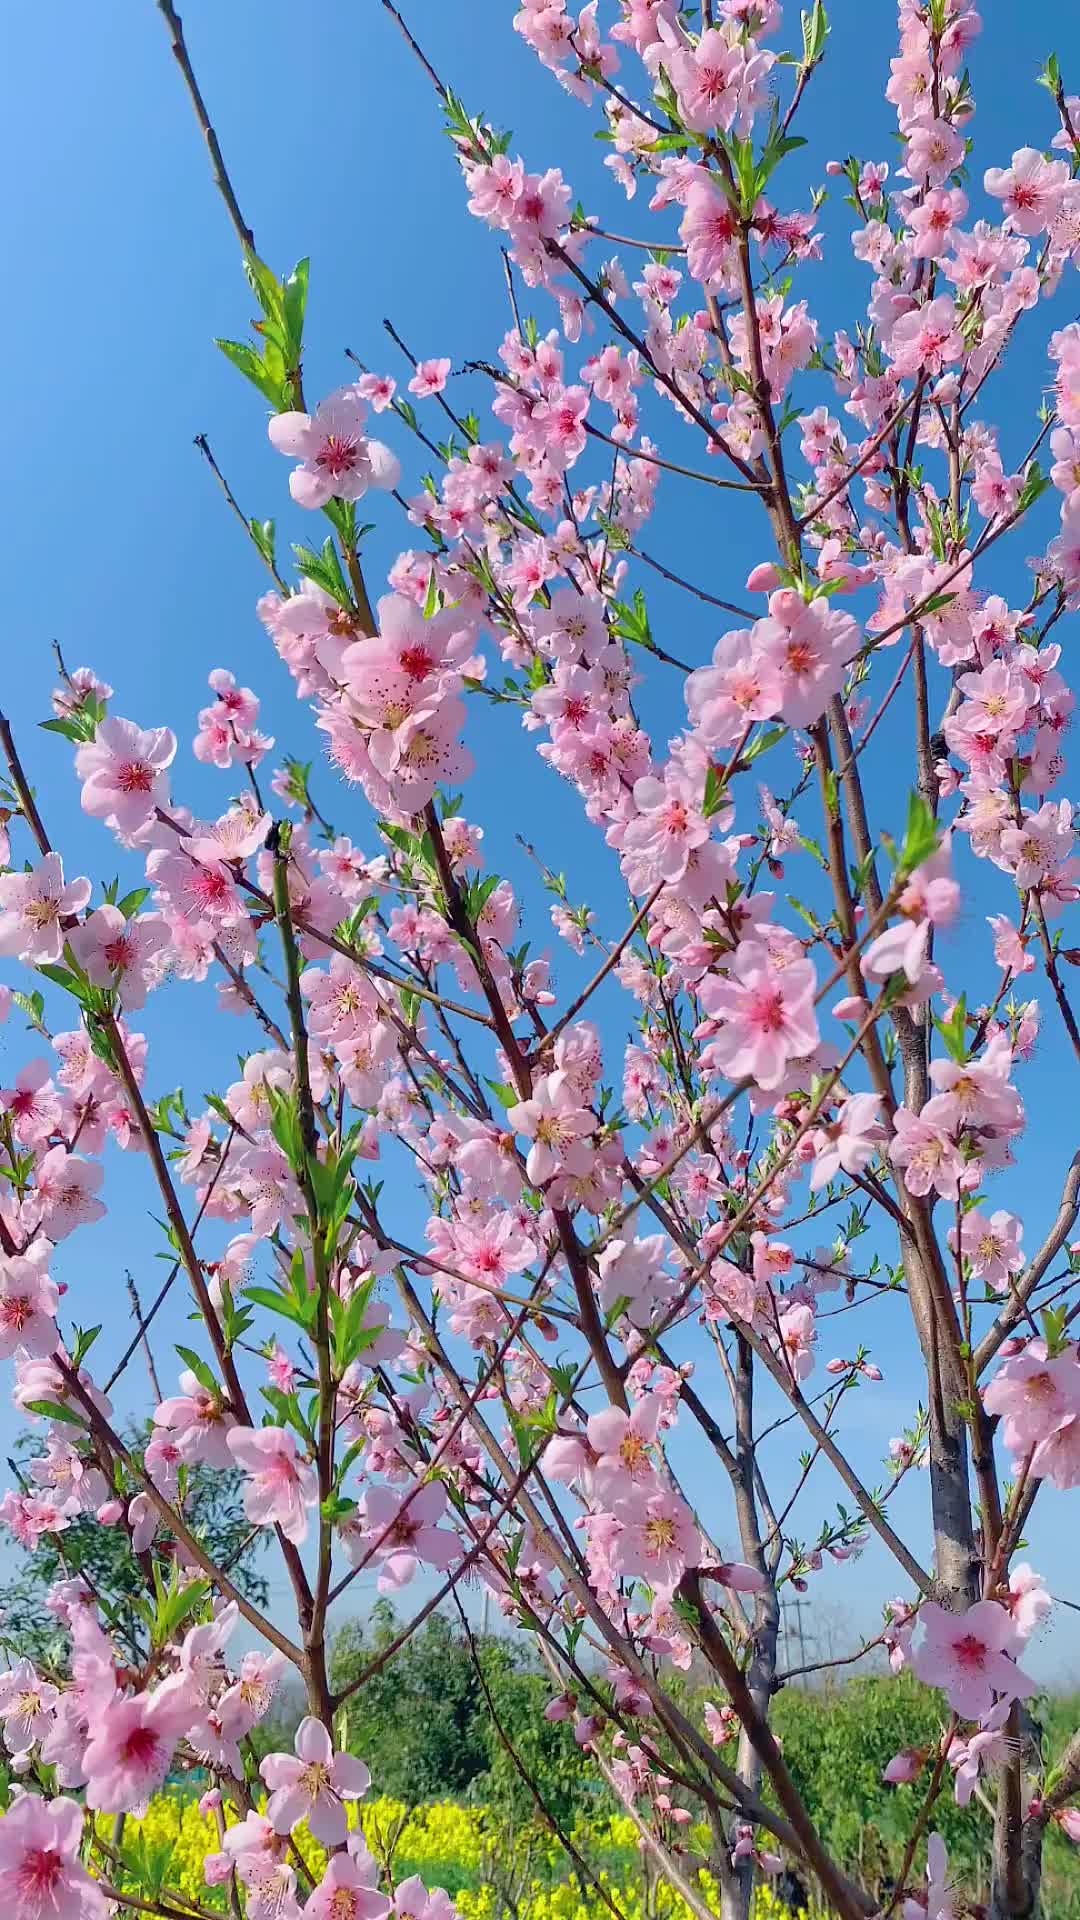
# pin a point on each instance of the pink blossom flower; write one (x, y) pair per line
(429, 378)
(1029, 1601)
(347, 1891)
(1034, 1397)
(849, 1142)
(658, 1539)
(927, 339)
(200, 1421)
(937, 1902)
(26, 1706)
(766, 1015)
(280, 1486)
(985, 1748)
(932, 224)
(121, 953)
(992, 1245)
(934, 150)
(131, 1746)
(741, 685)
(622, 1441)
(798, 1337)
(66, 1189)
(33, 908)
(33, 1104)
(28, 1303)
(1031, 189)
(123, 773)
(400, 1532)
(666, 831)
(558, 1127)
(336, 457)
(314, 1785)
(41, 1877)
(708, 230)
(967, 1655)
(1010, 950)
(927, 1154)
(378, 389)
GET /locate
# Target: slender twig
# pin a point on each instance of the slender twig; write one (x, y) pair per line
(217, 164)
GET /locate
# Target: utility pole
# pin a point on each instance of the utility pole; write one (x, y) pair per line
(787, 1609)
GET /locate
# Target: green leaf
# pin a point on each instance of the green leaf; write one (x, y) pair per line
(815, 32)
(281, 1303)
(1055, 1325)
(762, 742)
(262, 532)
(1050, 77)
(632, 621)
(265, 285)
(507, 1096)
(714, 793)
(199, 1368)
(55, 1410)
(921, 838)
(954, 1031)
(1035, 484)
(295, 307)
(60, 977)
(270, 380)
(84, 1340)
(325, 570)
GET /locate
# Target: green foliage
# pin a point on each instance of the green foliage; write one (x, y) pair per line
(273, 365)
(423, 1726)
(421, 1723)
(837, 1743)
(215, 1513)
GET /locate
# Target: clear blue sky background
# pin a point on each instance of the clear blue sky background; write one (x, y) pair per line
(122, 267)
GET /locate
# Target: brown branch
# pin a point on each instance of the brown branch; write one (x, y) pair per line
(217, 164)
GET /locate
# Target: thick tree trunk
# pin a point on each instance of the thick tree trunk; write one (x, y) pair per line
(1016, 1874)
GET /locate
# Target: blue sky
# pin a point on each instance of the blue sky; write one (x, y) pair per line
(122, 267)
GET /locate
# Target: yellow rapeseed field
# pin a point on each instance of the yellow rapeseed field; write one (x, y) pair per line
(460, 1848)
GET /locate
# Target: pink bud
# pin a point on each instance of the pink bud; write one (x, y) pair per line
(586, 1730)
(1069, 1822)
(904, 1767)
(853, 1007)
(833, 167)
(211, 1801)
(870, 1372)
(837, 1366)
(1009, 1349)
(561, 1707)
(763, 578)
(109, 1514)
(739, 1577)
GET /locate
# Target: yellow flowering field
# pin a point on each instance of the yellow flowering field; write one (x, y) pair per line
(463, 1849)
